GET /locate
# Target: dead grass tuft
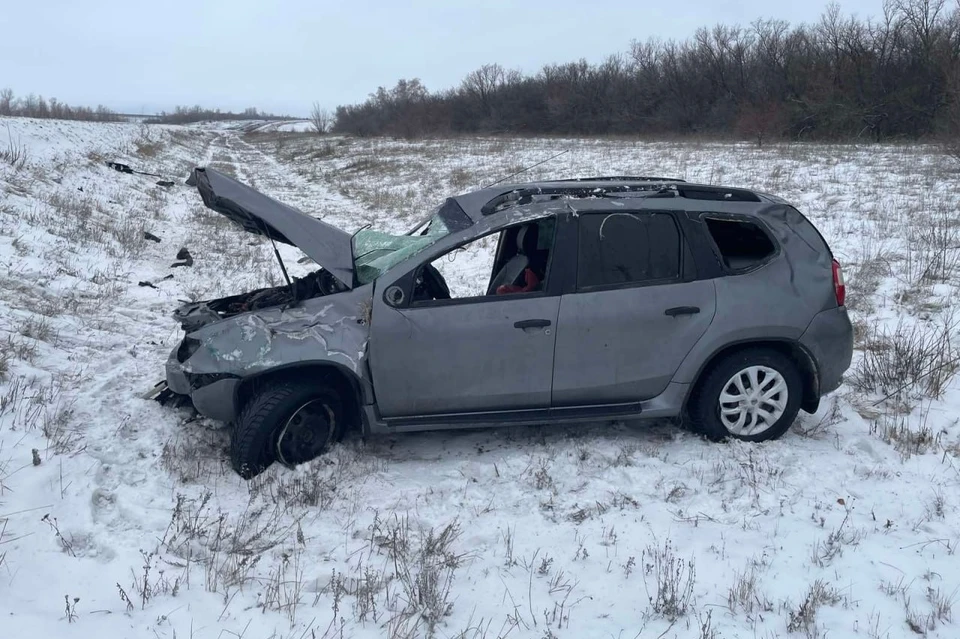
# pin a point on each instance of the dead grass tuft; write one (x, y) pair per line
(805, 616)
(15, 154)
(673, 579)
(909, 435)
(912, 357)
(147, 144)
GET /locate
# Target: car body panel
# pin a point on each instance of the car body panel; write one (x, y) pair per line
(262, 215)
(331, 330)
(619, 345)
(829, 338)
(463, 357)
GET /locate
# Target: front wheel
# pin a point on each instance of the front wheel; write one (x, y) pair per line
(287, 421)
(752, 395)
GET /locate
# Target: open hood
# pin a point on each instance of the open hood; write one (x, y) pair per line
(326, 245)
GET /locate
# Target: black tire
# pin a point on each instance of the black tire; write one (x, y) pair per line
(703, 409)
(268, 414)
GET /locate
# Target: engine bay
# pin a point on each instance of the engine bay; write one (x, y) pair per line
(316, 284)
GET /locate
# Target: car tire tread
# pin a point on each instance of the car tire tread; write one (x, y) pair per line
(261, 418)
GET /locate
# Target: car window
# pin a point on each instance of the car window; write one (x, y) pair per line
(627, 248)
(741, 243)
(506, 262)
(466, 270)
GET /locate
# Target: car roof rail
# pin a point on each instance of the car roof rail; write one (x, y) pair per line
(716, 193)
(620, 178)
(663, 188)
(518, 194)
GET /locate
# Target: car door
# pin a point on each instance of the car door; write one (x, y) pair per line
(473, 354)
(636, 311)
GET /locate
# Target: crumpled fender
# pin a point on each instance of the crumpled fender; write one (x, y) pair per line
(332, 328)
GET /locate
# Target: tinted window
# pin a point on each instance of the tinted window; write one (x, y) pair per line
(627, 248)
(742, 244)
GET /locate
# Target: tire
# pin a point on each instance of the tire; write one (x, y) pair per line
(718, 421)
(287, 421)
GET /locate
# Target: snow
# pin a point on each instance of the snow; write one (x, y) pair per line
(552, 528)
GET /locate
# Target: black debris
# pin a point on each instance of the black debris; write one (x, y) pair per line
(123, 168)
(145, 283)
(184, 255)
(150, 236)
(167, 397)
(165, 183)
(126, 168)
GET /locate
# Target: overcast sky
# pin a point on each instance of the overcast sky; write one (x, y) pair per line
(136, 56)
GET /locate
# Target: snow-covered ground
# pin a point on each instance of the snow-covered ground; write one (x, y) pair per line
(121, 518)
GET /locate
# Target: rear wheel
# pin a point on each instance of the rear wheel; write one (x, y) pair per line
(287, 421)
(753, 395)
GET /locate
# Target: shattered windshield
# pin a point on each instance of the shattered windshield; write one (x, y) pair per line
(375, 252)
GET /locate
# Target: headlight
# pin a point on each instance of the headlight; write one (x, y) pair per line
(187, 348)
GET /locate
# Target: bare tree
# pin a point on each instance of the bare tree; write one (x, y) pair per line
(6, 101)
(321, 119)
(762, 121)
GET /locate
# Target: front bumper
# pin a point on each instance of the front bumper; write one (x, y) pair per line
(829, 338)
(216, 400)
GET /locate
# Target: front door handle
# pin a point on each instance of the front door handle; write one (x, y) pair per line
(532, 323)
(682, 310)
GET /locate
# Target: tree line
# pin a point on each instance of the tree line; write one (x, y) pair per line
(188, 114)
(897, 76)
(34, 106)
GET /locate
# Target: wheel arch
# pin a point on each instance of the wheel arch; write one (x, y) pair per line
(806, 366)
(351, 388)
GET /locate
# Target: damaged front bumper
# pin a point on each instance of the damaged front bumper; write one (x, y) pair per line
(214, 396)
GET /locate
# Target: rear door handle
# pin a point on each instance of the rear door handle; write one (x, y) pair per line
(682, 310)
(532, 323)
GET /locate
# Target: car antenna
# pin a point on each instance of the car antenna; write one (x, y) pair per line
(532, 166)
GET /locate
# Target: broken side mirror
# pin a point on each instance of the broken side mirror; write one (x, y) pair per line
(394, 296)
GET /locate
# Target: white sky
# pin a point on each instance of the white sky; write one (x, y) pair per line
(137, 56)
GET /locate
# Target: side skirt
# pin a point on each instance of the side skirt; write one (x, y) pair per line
(664, 406)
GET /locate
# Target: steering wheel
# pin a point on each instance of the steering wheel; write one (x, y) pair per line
(433, 283)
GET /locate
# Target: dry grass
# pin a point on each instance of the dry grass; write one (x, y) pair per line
(15, 154)
(908, 434)
(148, 143)
(803, 618)
(673, 579)
(912, 358)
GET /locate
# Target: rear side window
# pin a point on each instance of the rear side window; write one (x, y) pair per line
(627, 248)
(742, 243)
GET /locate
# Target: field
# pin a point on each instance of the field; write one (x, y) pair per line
(121, 518)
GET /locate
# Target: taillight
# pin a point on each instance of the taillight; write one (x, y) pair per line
(838, 286)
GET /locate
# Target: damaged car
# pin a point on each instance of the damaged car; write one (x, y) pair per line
(607, 298)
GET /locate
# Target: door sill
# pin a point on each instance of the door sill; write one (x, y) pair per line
(516, 417)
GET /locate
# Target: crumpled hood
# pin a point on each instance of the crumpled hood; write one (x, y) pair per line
(325, 244)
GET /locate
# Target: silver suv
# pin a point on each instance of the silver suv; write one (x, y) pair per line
(600, 298)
